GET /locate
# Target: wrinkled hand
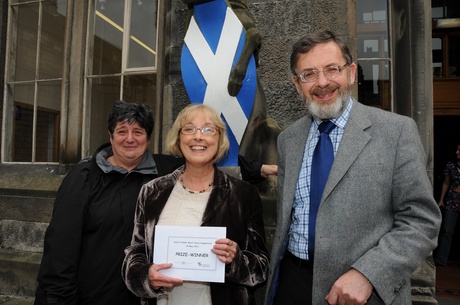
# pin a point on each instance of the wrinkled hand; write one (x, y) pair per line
(352, 288)
(158, 280)
(225, 249)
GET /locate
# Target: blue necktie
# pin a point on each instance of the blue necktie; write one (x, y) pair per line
(323, 157)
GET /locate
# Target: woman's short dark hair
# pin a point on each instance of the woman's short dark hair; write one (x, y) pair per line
(131, 112)
(309, 41)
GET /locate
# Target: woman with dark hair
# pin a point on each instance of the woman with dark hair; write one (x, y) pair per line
(450, 200)
(93, 214)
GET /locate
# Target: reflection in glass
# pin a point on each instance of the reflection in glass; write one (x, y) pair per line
(373, 46)
(374, 83)
(23, 96)
(372, 26)
(454, 57)
(142, 40)
(52, 39)
(139, 88)
(371, 11)
(26, 19)
(48, 121)
(108, 38)
(437, 56)
(104, 92)
(34, 104)
(373, 53)
(109, 80)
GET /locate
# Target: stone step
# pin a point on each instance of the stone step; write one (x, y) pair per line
(8, 300)
(18, 274)
(24, 217)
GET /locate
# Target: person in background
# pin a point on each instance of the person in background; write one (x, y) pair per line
(93, 214)
(199, 194)
(450, 200)
(253, 171)
(356, 235)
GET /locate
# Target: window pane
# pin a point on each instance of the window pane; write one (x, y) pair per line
(19, 1)
(454, 57)
(372, 26)
(139, 88)
(143, 27)
(105, 91)
(445, 8)
(26, 52)
(370, 46)
(437, 56)
(52, 39)
(108, 37)
(23, 97)
(113, 53)
(48, 120)
(374, 83)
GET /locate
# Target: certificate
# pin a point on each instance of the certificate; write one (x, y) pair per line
(189, 250)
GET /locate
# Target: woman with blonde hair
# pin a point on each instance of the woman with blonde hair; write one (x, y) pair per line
(199, 194)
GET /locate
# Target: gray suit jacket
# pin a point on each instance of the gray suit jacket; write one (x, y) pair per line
(377, 213)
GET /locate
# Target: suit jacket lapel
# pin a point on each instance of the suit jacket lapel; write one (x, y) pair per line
(353, 142)
(295, 153)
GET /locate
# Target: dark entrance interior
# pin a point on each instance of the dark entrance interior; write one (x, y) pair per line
(446, 139)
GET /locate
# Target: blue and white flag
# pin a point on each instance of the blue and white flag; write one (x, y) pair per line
(213, 44)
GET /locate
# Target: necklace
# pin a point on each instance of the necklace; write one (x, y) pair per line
(181, 179)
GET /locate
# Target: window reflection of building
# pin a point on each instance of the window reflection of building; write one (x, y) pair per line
(33, 78)
(120, 63)
(446, 56)
(373, 56)
(123, 65)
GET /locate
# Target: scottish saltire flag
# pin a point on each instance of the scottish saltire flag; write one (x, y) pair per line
(213, 44)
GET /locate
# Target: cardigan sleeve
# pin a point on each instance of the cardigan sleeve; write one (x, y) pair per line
(251, 264)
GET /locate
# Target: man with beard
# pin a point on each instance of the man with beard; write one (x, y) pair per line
(358, 240)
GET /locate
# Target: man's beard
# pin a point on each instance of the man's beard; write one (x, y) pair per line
(326, 111)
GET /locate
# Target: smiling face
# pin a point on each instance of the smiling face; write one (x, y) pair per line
(199, 149)
(326, 97)
(129, 143)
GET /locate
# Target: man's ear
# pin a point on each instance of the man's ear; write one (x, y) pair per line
(352, 68)
(295, 80)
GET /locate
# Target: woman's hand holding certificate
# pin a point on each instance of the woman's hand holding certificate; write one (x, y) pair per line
(225, 249)
(158, 280)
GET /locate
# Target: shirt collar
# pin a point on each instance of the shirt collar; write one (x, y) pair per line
(146, 166)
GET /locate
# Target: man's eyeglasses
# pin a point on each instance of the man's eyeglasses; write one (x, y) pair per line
(207, 131)
(312, 75)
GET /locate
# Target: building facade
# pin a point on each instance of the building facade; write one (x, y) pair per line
(66, 61)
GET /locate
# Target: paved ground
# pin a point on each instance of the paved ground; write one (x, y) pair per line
(10, 301)
(448, 301)
(4, 300)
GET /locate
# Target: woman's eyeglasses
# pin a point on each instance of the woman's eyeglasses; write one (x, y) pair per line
(207, 130)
